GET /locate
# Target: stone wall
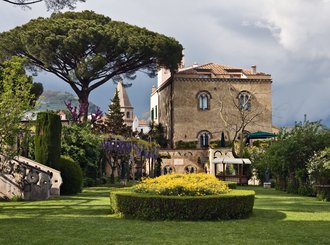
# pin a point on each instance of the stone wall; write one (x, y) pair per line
(27, 179)
(188, 120)
(179, 160)
(164, 109)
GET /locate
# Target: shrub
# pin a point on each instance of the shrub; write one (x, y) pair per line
(231, 184)
(233, 205)
(89, 182)
(83, 145)
(165, 155)
(215, 144)
(323, 192)
(318, 167)
(48, 138)
(71, 175)
(186, 144)
(182, 185)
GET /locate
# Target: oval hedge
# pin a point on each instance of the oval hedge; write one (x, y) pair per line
(233, 205)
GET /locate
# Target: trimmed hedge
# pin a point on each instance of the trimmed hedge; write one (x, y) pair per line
(71, 175)
(231, 184)
(47, 141)
(234, 205)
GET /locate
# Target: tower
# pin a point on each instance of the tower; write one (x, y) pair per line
(125, 104)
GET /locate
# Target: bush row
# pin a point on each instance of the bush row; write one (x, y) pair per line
(231, 184)
(186, 144)
(234, 205)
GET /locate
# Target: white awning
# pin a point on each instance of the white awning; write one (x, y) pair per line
(232, 160)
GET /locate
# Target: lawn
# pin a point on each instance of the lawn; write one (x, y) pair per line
(278, 218)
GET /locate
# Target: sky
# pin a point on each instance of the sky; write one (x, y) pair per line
(287, 39)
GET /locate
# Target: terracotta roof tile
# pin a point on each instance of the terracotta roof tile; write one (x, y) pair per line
(218, 69)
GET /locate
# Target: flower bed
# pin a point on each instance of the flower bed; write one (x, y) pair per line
(182, 185)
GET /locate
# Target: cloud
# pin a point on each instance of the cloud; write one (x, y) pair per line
(300, 26)
(288, 39)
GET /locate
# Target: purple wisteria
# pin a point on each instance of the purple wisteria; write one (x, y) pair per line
(115, 146)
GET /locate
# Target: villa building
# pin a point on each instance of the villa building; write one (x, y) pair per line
(203, 105)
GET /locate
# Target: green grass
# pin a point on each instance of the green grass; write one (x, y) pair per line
(278, 218)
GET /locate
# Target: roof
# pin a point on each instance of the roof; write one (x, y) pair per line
(143, 122)
(261, 135)
(232, 160)
(219, 69)
(123, 97)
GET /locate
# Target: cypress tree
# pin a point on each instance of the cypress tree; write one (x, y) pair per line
(48, 138)
(114, 122)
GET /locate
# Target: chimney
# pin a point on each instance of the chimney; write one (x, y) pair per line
(254, 69)
(182, 64)
(195, 65)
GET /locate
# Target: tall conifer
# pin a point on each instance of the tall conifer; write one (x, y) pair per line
(114, 122)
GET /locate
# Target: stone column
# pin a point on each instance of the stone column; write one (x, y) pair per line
(211, 158)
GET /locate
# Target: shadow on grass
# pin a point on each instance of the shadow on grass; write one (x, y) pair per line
(267, 214)
(86, 219)
(91, 202)
(105, 230)
(282, 201)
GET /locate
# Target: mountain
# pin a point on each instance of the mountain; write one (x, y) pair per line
(54, 101)
(326, 121)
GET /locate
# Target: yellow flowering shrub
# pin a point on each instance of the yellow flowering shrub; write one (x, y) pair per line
(201, 184)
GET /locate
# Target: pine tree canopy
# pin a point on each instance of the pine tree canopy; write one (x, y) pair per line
(86, 49)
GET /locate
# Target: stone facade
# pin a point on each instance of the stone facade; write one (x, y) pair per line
(184, 117)
(183, 161)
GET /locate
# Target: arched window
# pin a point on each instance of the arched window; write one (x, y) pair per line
(203, 100)
(244, 99)
(190, 169)
(168, 170)
(204, 138)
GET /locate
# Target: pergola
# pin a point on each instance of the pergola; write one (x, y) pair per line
(239, 177)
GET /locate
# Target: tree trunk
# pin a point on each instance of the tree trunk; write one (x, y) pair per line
(84, 104)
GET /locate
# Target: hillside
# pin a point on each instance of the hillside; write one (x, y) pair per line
(54, 101)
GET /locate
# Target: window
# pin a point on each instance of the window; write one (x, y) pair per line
(244, 98)
(152, 114)
(156, 112)
(168, 170)
(204, 76)
(203, 102)
(203, 99)
(190, 169)
(204, 138)
(127, 114)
